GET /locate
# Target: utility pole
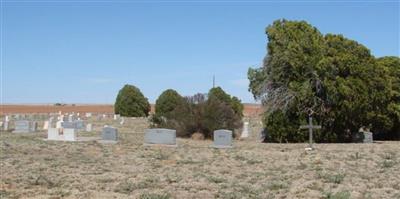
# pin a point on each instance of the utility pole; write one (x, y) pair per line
(213, 81)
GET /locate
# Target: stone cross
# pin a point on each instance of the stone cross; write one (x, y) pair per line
(310, 128)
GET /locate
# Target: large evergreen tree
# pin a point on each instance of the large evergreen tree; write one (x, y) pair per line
(336, 79)
(131, 102)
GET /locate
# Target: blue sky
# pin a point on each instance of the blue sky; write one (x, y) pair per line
(85, 51)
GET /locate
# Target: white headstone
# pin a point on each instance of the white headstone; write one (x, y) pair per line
(55, 134)
(50, 122)
(7, 119)
(115, 117)
(69, 134)
(245, 133)
(59, 124)
(88, 114)
(61, 134)
(89, 127)
(122, 121)
(5, 126)
(46, 125)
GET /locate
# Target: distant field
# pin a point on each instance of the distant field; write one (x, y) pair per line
(34, 168)
(249, 109)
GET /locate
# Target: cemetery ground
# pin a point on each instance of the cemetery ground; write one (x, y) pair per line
(34, 168)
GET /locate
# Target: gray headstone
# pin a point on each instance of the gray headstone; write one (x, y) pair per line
(33, 126)
(79, 124)
(222, 139)
(22, 126)
(69, 125)
(368, 138)
(160, 136)
(109, 133)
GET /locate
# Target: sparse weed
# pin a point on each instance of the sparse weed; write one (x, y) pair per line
(127, 186)
(337, 195)
(251, 161)
(154, 196)
(331, 178)
(301, 166)
(159, 155)
(277, 185)
(215, 179)
(355, 156)
(186, 161)
(387, 163)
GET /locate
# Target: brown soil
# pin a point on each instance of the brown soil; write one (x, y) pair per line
(249, 109)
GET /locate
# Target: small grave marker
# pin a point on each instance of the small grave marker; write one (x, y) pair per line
(89, 127)
(109, 133)
(310, 128)
(222, 139)
(160, 136)
(23, 126)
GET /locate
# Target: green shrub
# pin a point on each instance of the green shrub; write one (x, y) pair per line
(131, 102)
(234, 102)
(199, 113)
(173, 112)
(168, 101)
(218, 115)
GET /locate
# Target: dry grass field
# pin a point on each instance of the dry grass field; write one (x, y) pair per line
(34, 168)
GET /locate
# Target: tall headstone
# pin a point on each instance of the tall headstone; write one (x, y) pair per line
(51, 122)
(222, 139)
(34, 126)
(5, 126)
(122, 122)
(109, 133)
(245, 132)
(70, 118)
(160, 136)
(59, 124)
(46, 125)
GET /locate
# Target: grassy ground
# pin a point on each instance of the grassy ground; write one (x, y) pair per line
(34, 168)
